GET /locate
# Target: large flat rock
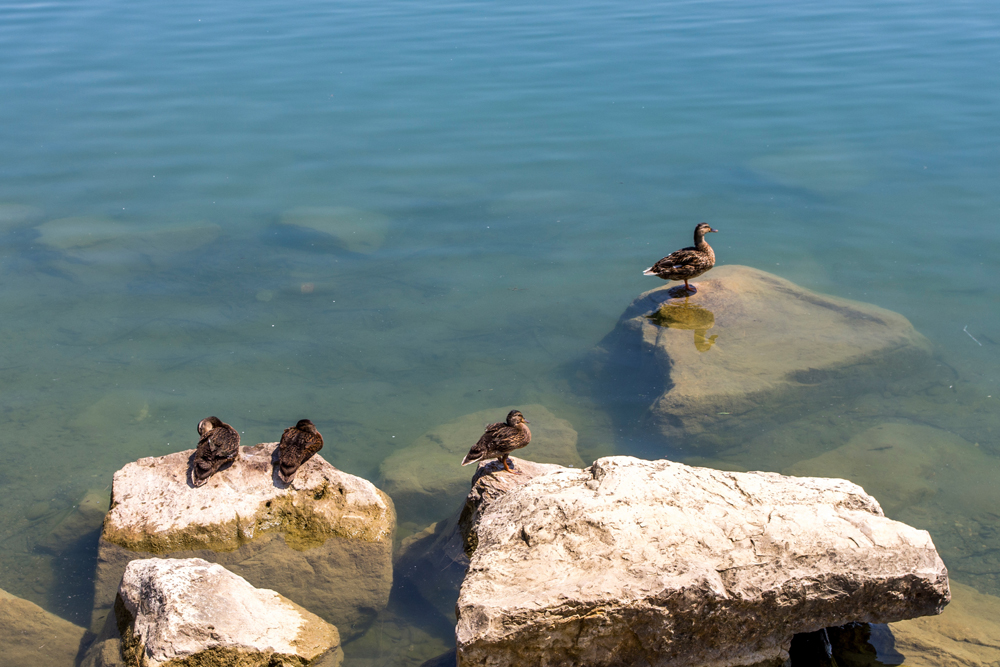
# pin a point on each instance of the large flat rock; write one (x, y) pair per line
(752, 350)
(427, 477)
(32, 637)
(657, 563)
(324, 541)
(174, 612)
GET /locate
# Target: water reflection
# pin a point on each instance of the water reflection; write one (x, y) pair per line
(687, 315)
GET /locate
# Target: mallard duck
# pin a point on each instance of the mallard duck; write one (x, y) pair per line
(219, 445)
(687, 263)
(297, 446)
(501, 439)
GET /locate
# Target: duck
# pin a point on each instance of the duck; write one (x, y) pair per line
(219, 446)
(687, 263)
(500, 439)
(298, 444)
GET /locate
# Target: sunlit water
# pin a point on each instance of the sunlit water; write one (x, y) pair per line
(516, 167)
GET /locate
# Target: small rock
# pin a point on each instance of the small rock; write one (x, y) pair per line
(190, 611)
(655, 562)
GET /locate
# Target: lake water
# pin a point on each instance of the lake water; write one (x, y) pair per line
(504, 172)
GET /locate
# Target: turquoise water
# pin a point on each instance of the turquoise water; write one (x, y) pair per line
(508, 169)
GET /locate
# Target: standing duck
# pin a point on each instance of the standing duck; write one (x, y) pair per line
(297, 446)
(500, 439)
(219, 445)
(687, 263)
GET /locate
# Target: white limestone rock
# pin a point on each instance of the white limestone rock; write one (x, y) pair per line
(750, 351)
(658, 563)
(324, 541)
(190, 611)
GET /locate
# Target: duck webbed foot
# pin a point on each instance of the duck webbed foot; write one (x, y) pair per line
(505, 460)
(685, 291)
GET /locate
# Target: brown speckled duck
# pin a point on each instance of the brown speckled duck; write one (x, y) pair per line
(297, 446)
(500, 439)
(687, 263)
(219, 445)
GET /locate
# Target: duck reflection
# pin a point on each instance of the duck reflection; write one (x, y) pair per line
(688, 316)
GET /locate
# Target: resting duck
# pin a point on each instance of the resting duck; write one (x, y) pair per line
(298, 444)
(687, 263)
(501, 439)
(219, 445)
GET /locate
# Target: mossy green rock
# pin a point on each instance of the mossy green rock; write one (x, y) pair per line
(776, 352)
(324, 541)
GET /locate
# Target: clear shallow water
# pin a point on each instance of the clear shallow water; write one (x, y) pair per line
(525, 162)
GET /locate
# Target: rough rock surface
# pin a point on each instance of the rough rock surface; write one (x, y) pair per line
(434, 560)
(658, 563)
(32, 637)
(427, 478)
(776, 351)
(967, 634)
(324, 541)
(190, 611)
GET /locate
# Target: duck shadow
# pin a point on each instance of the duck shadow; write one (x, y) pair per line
(275, 479)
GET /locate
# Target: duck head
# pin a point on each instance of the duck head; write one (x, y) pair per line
(702, 229)
(514, 418)
(306, 425)
(207, 424)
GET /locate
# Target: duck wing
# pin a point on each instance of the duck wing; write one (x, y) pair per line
(486, 444)
(677, 260)
(216, 448)
(296, 447)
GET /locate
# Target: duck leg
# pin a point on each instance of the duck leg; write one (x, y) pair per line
(690, 289)
(504, 459)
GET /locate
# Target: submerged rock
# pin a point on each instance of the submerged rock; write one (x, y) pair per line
(967, 634)
(32, 637)
(85, 518)
(324, 541)
(352, 229)
(777, 350)
(427, 477)
(658, 563)
(95, 238)
(192, 612)
(16, 215)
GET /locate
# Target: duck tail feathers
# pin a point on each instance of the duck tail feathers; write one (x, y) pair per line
(471, 458)
(649, 272)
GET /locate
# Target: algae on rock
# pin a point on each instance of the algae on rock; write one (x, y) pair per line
(777, 351)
